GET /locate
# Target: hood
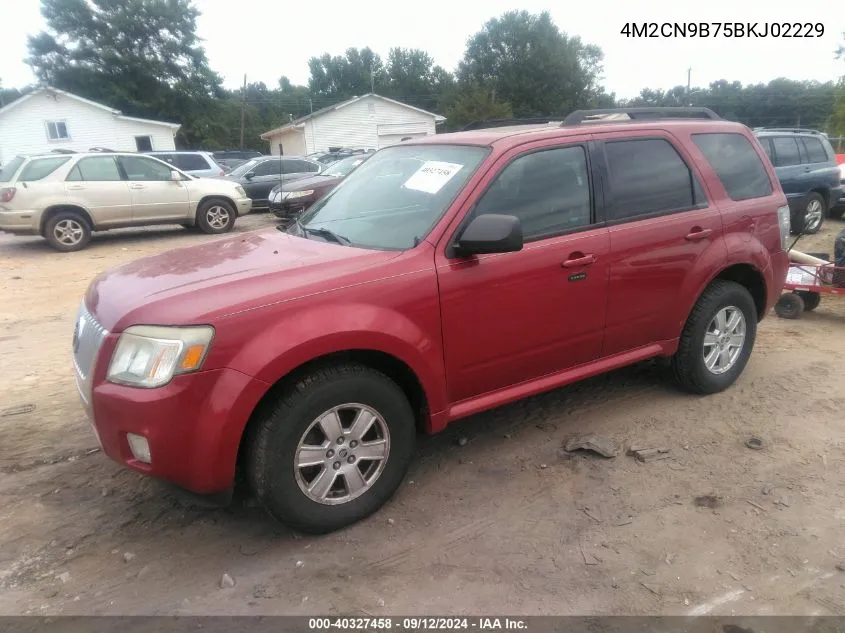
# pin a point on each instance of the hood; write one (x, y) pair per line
(200, 284)
(310, 182)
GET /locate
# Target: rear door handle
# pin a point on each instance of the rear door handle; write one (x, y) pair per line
(584, 260)
(137, 186)
(698, 234)
(75, 187)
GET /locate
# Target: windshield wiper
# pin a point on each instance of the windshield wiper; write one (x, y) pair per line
(325, 233)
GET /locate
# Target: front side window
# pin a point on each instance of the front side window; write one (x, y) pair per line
(95, 168)
(549, 191)
(736, 163)
(144, 169)
(648, 176)
(41, 168)
(245, 168)
(269, 168)
(57, 131)
(294, 166)
(786, 151)
(393, 200)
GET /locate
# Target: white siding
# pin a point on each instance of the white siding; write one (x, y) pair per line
(293, 144)
(361, 123)
(23, 129)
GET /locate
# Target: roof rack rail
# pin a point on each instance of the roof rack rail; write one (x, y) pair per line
(804, 130)
(615, 115)
(480, 125)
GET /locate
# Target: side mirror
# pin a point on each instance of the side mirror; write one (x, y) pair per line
(175, 176)
(249, 175)
(490, 234)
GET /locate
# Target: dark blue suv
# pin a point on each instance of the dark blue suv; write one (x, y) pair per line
(806, 166)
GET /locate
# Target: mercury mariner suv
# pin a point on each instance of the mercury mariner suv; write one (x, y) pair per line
(445, 276)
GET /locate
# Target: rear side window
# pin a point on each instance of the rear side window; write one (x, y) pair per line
(815, 150)
(736, 163)
(649, 176)
(191, 162)
(38, 169)
(786, 151)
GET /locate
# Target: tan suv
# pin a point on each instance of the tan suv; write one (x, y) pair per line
(66, 197)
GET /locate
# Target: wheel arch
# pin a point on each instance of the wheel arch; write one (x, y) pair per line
(751, 279)
(212, 197)
(52, 210)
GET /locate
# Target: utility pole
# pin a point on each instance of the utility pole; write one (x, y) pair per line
(243, 113)
(689, 85)
(372, 76)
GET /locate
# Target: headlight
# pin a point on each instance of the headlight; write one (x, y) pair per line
(300, 194)
(149, 356)
(240, 191)
(784, 223)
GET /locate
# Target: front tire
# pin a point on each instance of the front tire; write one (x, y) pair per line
(333, 449)
(68, 231)
(216, 216)
(717, 339)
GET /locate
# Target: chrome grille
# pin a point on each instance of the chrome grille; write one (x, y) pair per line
(88, 336)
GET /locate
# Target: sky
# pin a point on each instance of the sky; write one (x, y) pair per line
(265, 39)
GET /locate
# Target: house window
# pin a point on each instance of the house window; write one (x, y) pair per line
(57, 131)
(144, 143)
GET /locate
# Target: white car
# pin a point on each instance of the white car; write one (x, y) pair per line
(65, 197)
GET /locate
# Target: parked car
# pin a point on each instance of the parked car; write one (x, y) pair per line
(839, 207)
(443, 278)
(65, 198)
(199, 164)
(806, 166)
(337, 153)
(236, 154)
(289, 199)
(259, 175)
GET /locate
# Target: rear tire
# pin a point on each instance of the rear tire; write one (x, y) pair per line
(717, 339)
(288, 435)
(216, 216)
(789, 306)
(68, 231)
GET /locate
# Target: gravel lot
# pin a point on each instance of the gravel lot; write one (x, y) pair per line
(503, 523)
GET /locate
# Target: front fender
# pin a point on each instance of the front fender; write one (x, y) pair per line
(303, 336)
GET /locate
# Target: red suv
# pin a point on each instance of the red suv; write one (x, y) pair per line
(445, 276)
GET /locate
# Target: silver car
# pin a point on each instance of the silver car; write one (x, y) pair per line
(200, 164)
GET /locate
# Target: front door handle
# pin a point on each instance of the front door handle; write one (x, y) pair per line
(76, 187)
(137, 186)
(698, 234)
(581, 260)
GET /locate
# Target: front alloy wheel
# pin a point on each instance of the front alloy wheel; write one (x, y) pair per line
(342, 454)
(724, 340)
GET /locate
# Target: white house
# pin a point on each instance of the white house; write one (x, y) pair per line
(47, 119)
(370, 121)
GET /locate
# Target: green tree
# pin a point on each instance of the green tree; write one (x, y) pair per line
(412, 76)
(475, 104)
(140, 56)
(528, 62)
(356, 73)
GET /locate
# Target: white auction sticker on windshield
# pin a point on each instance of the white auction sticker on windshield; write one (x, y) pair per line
(432, 176)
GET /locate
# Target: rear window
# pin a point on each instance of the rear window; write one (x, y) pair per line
(8, 170)
(738, 166)
(815, 150)
(41, 168)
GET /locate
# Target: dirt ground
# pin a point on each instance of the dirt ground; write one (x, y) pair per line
(505, 523)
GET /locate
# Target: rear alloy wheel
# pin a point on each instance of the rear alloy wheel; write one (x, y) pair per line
(67, 231)
(717, 339)
(814, 214)
(216, 216)
(332, 449)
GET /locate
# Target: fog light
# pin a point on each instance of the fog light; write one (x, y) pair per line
(140, 447)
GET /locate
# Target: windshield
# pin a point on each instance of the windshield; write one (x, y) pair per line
(8, 170)
(343, 167)
(396, 196)
(240, 170)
